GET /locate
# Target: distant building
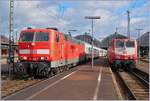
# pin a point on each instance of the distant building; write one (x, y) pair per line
(143, 41)
(106, 41)
(5, 46)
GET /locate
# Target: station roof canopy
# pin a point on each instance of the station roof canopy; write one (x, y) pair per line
(106, 41)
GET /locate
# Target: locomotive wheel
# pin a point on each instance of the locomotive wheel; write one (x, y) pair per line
(43, 70)
(113, 66)
(45, 73)
(61, 69)
(67, 68)
(57, 70)
(51, 73)
(131, 66)
(20, 70)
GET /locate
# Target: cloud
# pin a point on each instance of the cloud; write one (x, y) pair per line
(48, 13)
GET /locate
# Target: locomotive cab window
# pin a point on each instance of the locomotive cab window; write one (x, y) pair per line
(57, 37)
(27, 36)
(119, 44)
(130, 44)
(41, 36)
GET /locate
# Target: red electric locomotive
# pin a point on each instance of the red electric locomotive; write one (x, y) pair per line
(46, 51)
(122, 53)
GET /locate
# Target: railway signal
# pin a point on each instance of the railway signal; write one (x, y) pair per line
(92, 18)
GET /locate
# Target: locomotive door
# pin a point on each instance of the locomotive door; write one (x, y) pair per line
(62, 51)
(62, 54)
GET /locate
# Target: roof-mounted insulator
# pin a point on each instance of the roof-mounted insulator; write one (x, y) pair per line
(54, 28)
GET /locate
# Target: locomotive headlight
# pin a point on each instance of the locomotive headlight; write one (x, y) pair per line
(32, 43)
(118, 57)
(131, 57)
(24, 58)
(42, 58)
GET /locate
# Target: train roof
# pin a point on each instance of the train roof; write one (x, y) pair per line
(70, 38)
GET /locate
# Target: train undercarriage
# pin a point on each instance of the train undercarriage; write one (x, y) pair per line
(123, 64)
(37, 69)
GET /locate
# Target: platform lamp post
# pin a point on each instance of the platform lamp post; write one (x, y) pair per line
(139, 42)
(92, 18)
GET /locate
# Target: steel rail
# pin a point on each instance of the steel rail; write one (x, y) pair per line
(142, 76)
(129, 94)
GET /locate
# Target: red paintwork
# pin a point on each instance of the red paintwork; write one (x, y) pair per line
(58, 50)
(112, 56)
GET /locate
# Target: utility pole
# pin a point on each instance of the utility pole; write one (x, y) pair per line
(128, 28)
(11, 39)
(116, 30)
(138, 30)
(92, 18)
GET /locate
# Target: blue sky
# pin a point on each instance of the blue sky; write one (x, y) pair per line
(69, 14)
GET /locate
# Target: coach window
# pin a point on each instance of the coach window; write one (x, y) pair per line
(57, 37)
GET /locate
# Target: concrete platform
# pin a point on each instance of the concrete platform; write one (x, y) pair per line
(81, 83)
(144, 66)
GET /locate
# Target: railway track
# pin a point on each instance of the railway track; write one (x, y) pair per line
(142, 76)
(134, 84)
(144, 60)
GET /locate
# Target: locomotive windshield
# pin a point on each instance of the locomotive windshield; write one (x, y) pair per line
(41, 36)
(119, 44)
(27, 36)
(130, 44)
(34, 36)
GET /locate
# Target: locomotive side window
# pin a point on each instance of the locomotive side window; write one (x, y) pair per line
(27, 36)
(41, 36)
(119, 44)
(130, 44)
(57, 38)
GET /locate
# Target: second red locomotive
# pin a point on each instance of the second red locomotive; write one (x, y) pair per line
(122, 53)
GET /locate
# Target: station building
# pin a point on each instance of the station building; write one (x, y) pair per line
(5, 47)
(143, 42)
